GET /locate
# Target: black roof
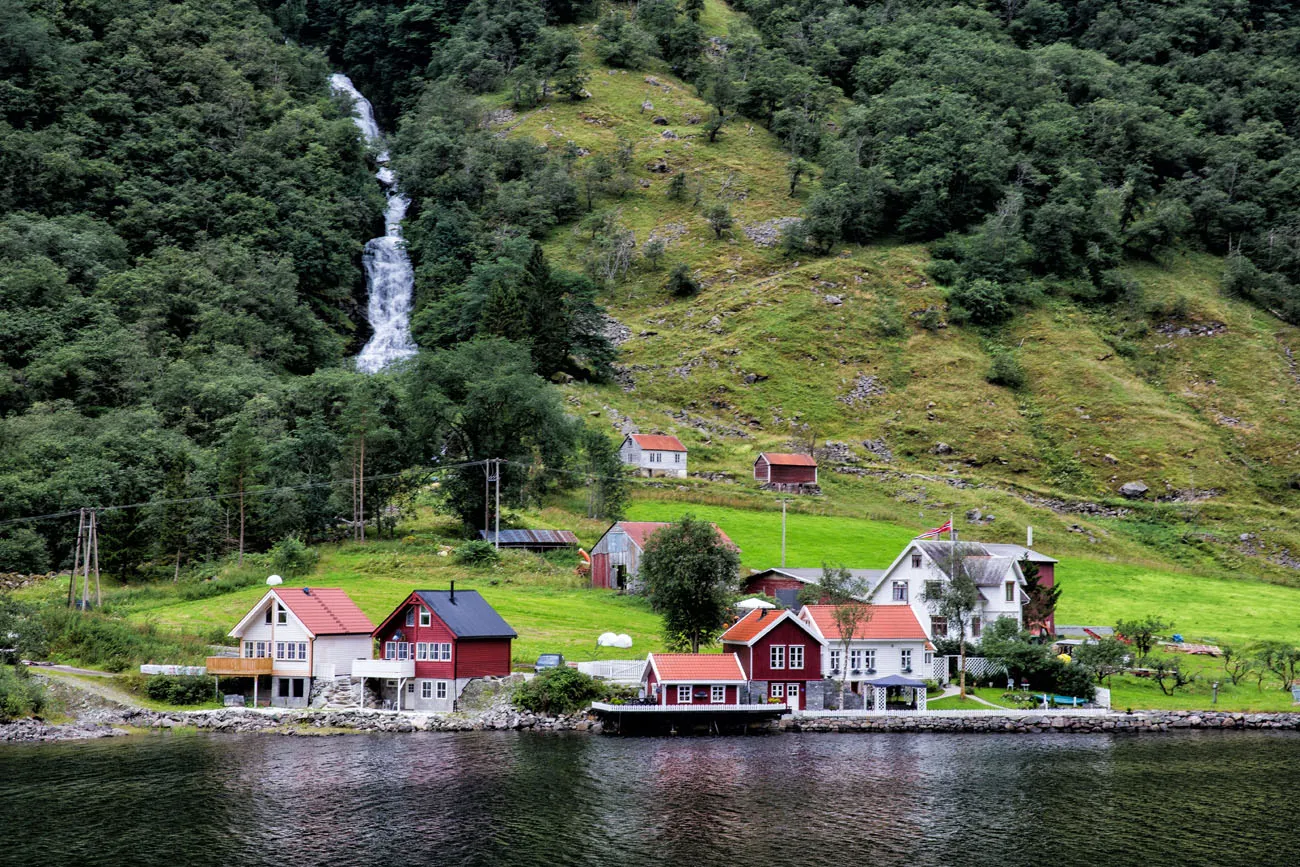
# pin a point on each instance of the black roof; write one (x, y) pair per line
(469, 616)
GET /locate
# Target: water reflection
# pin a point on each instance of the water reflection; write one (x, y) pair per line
(497, 798)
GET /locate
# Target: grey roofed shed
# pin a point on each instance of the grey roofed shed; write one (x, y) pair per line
(466, 613)
(533, 540)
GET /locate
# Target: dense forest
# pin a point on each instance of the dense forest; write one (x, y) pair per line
(183, 206)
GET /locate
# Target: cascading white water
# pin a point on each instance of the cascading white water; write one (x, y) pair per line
(390, 281)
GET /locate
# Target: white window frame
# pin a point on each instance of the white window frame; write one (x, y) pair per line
(929, 658)
(835, 660)
(426, 689)
(899, 586)
(796, 656)
(916, 561)
(281, 615)
(248, 650)
(1011, 591)
(403, 650)
(302, 651)
(270, 609)
(905, 658)
(280, 650)
(776, 657)
(421, 651)
(444, 654)
(683, 693)
(426, 617)
(677, 457)
(869, 660)
(855, 660)
(390, 650)
(440, 690)
(776, 690)
(717, 694)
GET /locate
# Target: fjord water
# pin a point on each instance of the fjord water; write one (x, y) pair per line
(524, 799)
(390, 281)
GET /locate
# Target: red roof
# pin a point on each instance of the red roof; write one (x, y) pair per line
(784, 460)
(325, 611)
(658, 442)
(697, 667)
(752, 624)
(887, 623)
(640, 531)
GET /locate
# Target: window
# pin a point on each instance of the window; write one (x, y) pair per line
(422, 651)
(796, 656)
(442, 689)
(776, 690)
(975, 628)
(425, 617)
(869, 659)
(410, 688)
(717, 694)
(284, 687)
(248, 650)
(933, 589)
(683, 695)
(302, 650)
(403, 650)
(929, 658)
(855, 661)
(939, 627)
(298, 687)
(835, 662)
(410, 617)
(916, 561)
(900, 591)
(263, 649)
(905, 657)
(444, 651)
(426, 689)
(778, 655)
(281, 615)
(1011, 591)
(677, 457)
(268, 612)
(390, 650)
(279, 651)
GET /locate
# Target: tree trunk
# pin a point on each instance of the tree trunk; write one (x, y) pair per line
(176, 576)
(241, 522)
(962, 663)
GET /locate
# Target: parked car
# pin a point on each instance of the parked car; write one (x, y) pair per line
(548, 660)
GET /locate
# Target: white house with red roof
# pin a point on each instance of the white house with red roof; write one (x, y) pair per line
(294, 635)
(891, 645)
(616, 556)
(693, 678)
(654, 454)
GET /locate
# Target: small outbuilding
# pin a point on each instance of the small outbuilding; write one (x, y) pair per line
(654, 454)
(785, 470)
(616, 557)
(531, 540)
(693, 678)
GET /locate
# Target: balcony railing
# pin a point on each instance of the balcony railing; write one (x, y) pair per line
(388, 668)
(235, 666)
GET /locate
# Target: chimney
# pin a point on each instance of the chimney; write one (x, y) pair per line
(762, 612)
(1029, 537)
(452, 596)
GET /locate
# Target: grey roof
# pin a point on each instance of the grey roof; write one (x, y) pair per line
(1082, 631)
(938, 548)
(813, 576)
(533, 538)
(897, 680)
(1018, 552)
(469, 616)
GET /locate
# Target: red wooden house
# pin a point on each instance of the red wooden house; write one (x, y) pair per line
(784, 584)
(433, 644)
(776, 648)
(776, 468)
(693, 678)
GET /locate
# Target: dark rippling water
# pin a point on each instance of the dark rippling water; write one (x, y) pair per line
(503, 798)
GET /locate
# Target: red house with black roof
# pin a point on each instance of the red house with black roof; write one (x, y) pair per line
(433, 644)
(776, 648)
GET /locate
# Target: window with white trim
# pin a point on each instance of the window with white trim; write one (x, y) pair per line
(263, 649)
(776, 690)
(905, 658)
(777, 655)
(281, 615)
(302, 651)
(1011, 591)
(869, 659)
(929, 658)
(683, 694)
(269, 609)
(717, 694)
(855, 661)
(975, 627)
(403, 650)
(441, 689)
(421, 651)
(280, 651)
(426, 689)
(916, 561)
(677, 457)
(835, 661)
(796, 656)
(248, 650)
(425, 617)
(444, 651)
(410, 617)
(900, 591)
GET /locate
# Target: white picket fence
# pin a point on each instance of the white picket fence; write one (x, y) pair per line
(625, 671)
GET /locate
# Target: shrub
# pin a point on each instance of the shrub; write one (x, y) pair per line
(178, 689)
(1006, 371)
(558, 691)
(20, 695)
(478, 552)
(982, 302)
(290, 556)
(681, 283)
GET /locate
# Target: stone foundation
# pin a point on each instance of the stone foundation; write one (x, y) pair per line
(1122, 723)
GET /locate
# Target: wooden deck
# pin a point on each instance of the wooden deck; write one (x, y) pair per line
(235, 666)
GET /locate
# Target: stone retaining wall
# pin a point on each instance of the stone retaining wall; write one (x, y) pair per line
(1145, 721)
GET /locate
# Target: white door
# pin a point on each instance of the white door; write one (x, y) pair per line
(792, 695)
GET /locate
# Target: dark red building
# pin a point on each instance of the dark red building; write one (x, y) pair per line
(775, 468)
(442, 640)
(776, 648)
(693, 678)
(784, 584)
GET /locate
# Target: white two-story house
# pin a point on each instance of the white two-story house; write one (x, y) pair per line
(292, 636)
(995, 569)
(889, 641)
(654, 454)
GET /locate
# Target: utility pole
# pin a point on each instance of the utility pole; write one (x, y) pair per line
(783, 502)
(497, 511)
(87, 552)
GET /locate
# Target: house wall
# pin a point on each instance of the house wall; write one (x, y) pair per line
(481, 657)
(786, 634)
(259, 630)
(787, 475)
(341, 650)
(470, 657)
(761, 469)
(672, 463)
(769, 584)
(916, 576)
(614, 549)
(888, 659)
(670, 694)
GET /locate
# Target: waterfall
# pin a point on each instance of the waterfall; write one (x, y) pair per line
(390, 281)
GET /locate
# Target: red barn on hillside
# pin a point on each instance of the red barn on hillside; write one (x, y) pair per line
(616, 556)
(781, 470)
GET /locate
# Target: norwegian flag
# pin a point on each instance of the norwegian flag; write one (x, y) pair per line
(937, 531)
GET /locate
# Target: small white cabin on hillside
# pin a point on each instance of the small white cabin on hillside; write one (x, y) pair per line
(294, 635)
(654, 454)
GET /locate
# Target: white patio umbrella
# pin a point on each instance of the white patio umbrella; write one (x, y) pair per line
(751, 604)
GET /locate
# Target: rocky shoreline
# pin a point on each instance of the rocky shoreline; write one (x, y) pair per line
(316, 722)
